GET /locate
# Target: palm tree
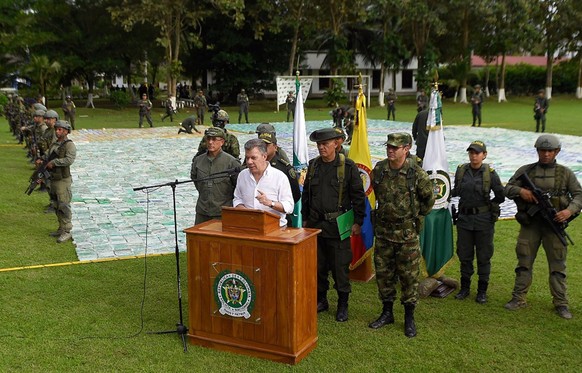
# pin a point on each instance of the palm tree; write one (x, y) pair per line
(41, 70)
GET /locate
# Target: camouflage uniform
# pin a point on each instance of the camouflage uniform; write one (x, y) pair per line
(214, 193)
(566, 193)
(476, 102)
(399, 218)
(243, 105)
(145, 110)
(201, 105)
(391, 105)
(69, 109)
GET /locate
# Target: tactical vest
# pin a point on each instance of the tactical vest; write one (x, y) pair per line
(61, 172)
(486, 178)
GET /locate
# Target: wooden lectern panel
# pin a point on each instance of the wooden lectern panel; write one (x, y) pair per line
(279, 269)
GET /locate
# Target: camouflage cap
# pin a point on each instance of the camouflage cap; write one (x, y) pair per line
(398, 139)
(325, 134)
(215, 132)
(39, 113)
(548, 142)
(266, 127)
(478, 146)
(268, 137)
(63, 124)
(222, 115)
(51, 114)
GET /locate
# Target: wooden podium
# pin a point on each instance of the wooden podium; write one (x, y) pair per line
(252, 286)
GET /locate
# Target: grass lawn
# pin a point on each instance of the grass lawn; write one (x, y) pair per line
(94, 317)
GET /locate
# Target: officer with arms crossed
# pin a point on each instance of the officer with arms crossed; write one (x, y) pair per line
(566, 197)
(404, 194)
(218, 192)
(332, 187)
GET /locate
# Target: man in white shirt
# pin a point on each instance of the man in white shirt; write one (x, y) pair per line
(261, 186)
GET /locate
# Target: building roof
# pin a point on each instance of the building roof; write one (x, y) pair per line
(478, 61)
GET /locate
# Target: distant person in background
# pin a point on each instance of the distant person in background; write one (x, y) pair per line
(290, 101)
(243, 105)
(540, 109)
(69, 109)
(201, 105)
(476, 102)
(391, 104)
(420, 132)
(170, 110)
(421, 101)
(145, 110)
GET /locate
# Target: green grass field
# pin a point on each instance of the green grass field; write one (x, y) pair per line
(94, 317)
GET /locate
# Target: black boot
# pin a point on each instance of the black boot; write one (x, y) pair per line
(322, 304)
(409, 326)
(342, 306)
(481, 292)
(387, 316)
(465, 289)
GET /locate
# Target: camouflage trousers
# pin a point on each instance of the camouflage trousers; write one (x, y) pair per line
(528, 242)
(61, 189)
(397, 261)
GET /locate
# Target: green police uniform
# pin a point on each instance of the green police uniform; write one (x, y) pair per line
(214, 193)
(566, 193)
(476, 222)
(231, 145)
(320, 208)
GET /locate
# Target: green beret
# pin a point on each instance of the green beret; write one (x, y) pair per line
(325, 134)
(398, 139)
(215, 132)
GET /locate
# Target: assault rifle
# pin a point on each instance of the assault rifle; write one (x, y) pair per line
(546, 210)
(42, 173)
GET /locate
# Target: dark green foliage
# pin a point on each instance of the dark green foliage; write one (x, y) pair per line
(335, 94)
(120, 99)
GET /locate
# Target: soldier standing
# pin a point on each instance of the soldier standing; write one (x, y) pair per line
(170, 111)
(404, 194)
(291, 104)
(231, 144)
(213, 193)
(566, 197)
(476, 102)
(541, 105)
(145, 110)
(391, 104)
(60, 171)
(478, 213)
(332, 187)
(201, 105)
(243, 105)
(69, 109)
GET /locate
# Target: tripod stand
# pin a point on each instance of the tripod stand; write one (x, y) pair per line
(181, 329)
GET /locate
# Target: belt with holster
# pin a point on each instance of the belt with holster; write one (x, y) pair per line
(474, 210)
(327, 216)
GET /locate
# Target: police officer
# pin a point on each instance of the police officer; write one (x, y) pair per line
(243, 105)
(269, 128)
(391, 104)
(566, 196)
(476, 102)
(188, 124)
(282, 165)
(404, 194)
(332, 187)
(145, 110)
(541, 106)
(291, 104)
(69, 109)
(231, 144)
(213, 193)
(478, 213)
(60, 170)
(420, 132)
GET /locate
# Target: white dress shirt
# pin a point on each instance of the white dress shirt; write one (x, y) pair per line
(273, 183)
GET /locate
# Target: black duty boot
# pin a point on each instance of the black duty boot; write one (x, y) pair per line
(409, 326)
(322, 304)
(481, 292)
(342, 306)
(465, 289)
(387, 316)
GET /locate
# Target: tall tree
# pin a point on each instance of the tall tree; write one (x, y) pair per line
(40, 71)
(171, 17)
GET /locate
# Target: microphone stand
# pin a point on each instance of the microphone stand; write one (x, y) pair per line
(181, 329)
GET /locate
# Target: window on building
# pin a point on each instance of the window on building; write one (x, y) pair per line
(376, 79)
(407, 79)
(324, 83)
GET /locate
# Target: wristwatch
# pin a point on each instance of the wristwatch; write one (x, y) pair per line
(272, 204)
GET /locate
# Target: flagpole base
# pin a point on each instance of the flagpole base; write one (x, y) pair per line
(364, 272)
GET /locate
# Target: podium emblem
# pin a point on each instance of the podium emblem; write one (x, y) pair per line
(234, 293)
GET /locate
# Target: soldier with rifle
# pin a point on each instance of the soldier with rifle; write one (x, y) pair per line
(547, 196)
